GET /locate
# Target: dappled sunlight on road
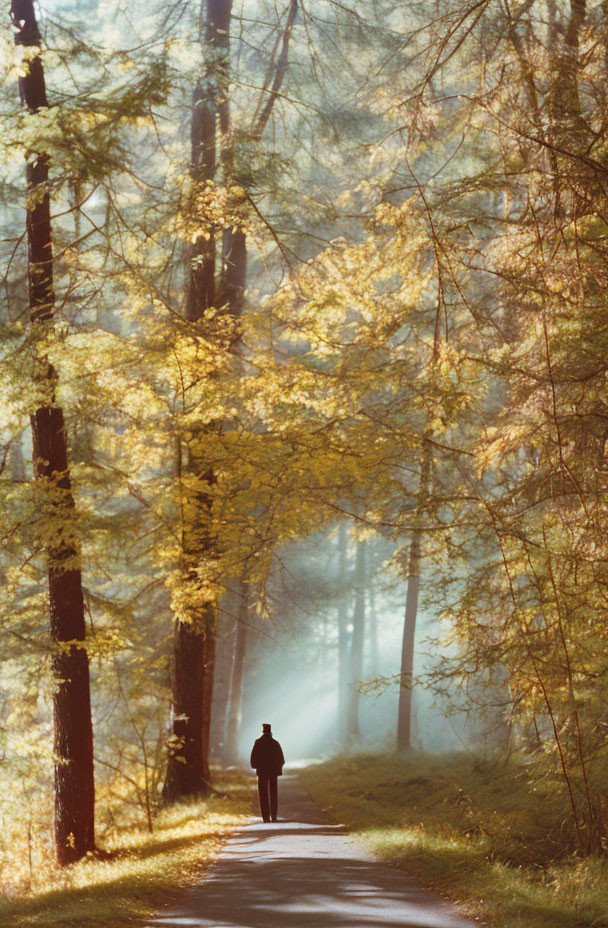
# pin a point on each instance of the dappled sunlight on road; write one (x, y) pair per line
(304, 873)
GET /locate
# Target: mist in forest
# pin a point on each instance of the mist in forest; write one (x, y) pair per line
(292, 678)
(302, 704)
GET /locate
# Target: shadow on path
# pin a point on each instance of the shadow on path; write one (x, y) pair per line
(304, 873)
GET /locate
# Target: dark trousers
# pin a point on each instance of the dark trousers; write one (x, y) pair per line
(267, 791)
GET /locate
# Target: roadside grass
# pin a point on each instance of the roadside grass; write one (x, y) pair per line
(136, 872)
(479, 833)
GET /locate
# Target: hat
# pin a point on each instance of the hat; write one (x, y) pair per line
(266, 728)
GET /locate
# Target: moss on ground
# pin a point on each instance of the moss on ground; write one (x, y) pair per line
(137, 872)
(479, 833)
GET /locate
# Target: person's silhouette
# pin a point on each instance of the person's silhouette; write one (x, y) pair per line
(267, 760)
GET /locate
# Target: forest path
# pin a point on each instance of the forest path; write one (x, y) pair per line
(302, 872)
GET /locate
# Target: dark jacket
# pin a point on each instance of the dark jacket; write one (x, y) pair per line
(267, 757)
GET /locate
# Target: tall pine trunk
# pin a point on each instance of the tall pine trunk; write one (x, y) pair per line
(194, 650)
(185, 774)
(373, 631)
(73, 730)
(404, 718)
(188, 769)
(209, 648)
(357, 642)
(343, 635)
(237, 677)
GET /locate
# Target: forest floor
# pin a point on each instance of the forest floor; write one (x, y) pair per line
(303, 872)
(138, 871)
(477, 832)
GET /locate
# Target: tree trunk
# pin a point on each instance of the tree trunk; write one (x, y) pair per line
(224, 656)
(343, 635)
(358, 638)
(201, 256)
(185, 769)
(565, 97)
(237, 678)
(234, 271)
(194, 659)
(73, 730)
(17, 462)
(404, 719)
(208, 676)
(234, 242)
(373, 632)
(194, 640)
(209, 102)
(194, 644)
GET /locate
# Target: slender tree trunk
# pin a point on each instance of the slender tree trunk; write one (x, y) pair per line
(234, 271)
(17, 462)
(404, 722)
(565, 92)
(237, 677)
(185, 769)
(358, 639)
(208, 678)
(201, 280)
(214, 108)
(194, 641)
(74, 779)
(404, 719)
(225, 635)
(343, 635)
(373, 632)
(194, 660)
(234, 241)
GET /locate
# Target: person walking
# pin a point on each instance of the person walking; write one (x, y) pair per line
(267, 760)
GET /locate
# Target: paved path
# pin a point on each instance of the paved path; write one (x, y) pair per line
(304, 873)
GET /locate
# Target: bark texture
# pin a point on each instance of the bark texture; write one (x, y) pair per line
(373, 633)
(211, 149)
(73, 730)
(404, 720)
(185, 770)
(343, 636)
(237, 677)
(188, 769)
(357, 641)
(193, 650)
(404, 717)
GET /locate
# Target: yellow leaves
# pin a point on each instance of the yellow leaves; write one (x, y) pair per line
(208, 207)
(351, 295)
(21, 56)
(436, 426)
(40, 131)
(107, 642)
(192, 591)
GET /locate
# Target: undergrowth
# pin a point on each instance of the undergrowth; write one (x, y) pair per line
(136, 872)
(482, 834)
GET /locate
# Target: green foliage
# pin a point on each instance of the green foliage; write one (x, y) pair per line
(483, 833)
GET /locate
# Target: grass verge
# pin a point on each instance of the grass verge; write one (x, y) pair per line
(480, 834)
(138, 872)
